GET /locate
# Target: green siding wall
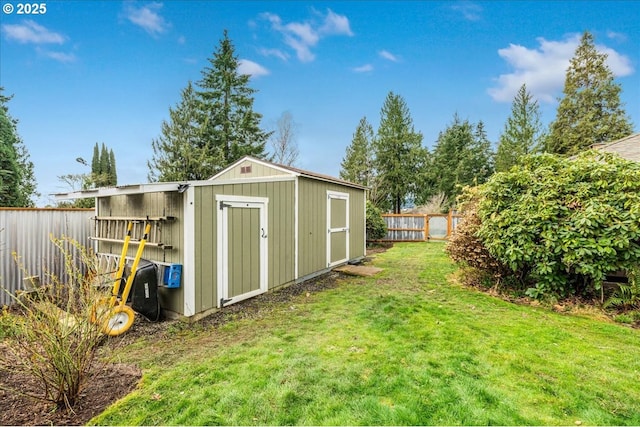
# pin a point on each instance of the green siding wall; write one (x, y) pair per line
(152, 205)
(312, 244)
(280, 229)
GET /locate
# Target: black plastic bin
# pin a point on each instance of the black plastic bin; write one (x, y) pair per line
(143, 297)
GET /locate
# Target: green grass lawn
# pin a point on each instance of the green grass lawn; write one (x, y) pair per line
(405, 347)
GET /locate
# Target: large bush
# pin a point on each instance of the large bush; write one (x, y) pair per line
(562, 224)
(376, 227)
(466, 248)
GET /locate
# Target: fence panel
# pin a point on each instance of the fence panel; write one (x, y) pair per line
(405, 228)
(26, 232)
(419, 227)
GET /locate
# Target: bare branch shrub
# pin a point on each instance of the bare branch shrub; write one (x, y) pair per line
(50, 335)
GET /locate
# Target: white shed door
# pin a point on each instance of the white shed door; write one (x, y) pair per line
(337, 228)
(242, 248)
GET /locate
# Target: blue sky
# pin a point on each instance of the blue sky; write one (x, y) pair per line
(108, 71)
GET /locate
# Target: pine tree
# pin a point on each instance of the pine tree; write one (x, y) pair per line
(209, 128)
(95, 161)
(17, 179)
(228, 121)
(104, 166)
(590, 111)
(180, 154)
(357, 164)
(462, 156)
(523, 133)
(113, 174)
(399, 154)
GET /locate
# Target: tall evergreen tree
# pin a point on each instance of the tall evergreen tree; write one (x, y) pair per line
(357, 164)
(590, 111)
(211, 127)
(95, 161)
(17, 179)
(113, 174)
(226, 105)
(523, 132)
(103, 168)
(462, 156)
(399, 154)
(180, 152)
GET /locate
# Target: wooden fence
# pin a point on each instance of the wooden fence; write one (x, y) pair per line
(420, 227)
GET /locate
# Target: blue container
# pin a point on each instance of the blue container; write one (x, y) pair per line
(172, 275)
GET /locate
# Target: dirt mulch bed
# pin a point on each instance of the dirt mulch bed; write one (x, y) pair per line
(112, 382)
(106, 385)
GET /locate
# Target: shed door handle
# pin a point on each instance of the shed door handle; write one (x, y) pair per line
(264, 235)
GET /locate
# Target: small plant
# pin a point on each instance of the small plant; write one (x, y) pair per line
(49, 333)
(627, 296)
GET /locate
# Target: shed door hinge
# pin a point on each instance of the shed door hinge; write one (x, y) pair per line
(224, 205)
(223, 301)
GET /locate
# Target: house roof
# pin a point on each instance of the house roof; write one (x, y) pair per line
(627, 147)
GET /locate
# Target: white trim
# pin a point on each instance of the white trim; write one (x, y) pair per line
(257, 161)
(345, 229)
(296, 224)
(257, 179)
(222, 261)
(364, 227)
(188, 253)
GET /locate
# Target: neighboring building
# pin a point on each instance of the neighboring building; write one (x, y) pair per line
(253, 227)
(627, 147)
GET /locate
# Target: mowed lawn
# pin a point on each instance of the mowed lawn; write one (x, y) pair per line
(405, 347)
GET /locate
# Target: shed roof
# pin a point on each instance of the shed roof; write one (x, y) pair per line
(180, 186)
(627, 147)
(291, 170)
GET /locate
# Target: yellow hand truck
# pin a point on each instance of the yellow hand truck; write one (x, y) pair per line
(112, 313)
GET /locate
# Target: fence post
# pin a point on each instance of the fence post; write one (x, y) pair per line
(426, 227)
(449, 223)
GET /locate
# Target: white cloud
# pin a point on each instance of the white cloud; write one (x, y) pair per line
(303, 36)
(147, 18)
(251, 68)
(335, 24)
(620, 37)
(274, 52)
(363, 69)
(388, 55)
(543, 69)
(182, 40)
(60, 56)
(470, 11)
(31, 32)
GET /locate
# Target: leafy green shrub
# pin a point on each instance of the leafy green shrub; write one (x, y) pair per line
(50, 336)
(466, 248)
(563, 224)
(376, 227)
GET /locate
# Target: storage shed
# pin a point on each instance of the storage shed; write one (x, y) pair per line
(253, 227)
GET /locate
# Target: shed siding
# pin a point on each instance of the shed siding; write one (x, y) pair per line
(313, 223)
(257, 171)
(280, 232)
(152, 205)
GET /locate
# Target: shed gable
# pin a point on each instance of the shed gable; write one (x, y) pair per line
(248, 168)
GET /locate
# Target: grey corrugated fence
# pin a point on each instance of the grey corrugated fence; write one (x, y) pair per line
(419, 227)
(26, 232)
